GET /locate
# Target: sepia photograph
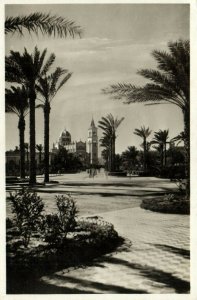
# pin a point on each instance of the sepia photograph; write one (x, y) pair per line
(97, 148)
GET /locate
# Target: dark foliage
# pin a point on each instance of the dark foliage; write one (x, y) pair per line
(171, 204)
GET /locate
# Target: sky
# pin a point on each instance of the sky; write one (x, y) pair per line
(117, 41)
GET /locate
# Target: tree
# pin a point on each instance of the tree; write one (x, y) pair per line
(171, 84)
(47, 87)
(104, 142)
(144, 133)
(39, 147)
(179, 138)
(27, 69)
(160, 138)
(16, 101)
(109, 125)
(129, 157)
(42, 22)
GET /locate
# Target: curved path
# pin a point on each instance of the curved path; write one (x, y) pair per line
(155, 258)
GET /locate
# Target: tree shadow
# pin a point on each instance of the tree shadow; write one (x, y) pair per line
(182, 252)
(100, 287)
(181, 286)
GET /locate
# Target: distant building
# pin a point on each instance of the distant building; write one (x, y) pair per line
(93, 143)
(86, 152)
(77, 148)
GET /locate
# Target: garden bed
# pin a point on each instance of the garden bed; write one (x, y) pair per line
(39, 244)
(170, 203)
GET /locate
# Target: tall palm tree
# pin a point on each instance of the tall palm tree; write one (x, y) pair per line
(16, 101)
(39, 147)
(44, 23)
(47, 87)
(171, 84)
(27, 69)
(161, 138)
(109, 125)
(144, 134)
(105, 143)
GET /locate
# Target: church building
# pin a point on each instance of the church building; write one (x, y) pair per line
(86, 152)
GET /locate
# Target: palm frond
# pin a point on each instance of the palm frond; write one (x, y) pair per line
(64, 80)
(48, 64)
(45, 23)
(170, 81)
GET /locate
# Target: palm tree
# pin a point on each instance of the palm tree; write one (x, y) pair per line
(27, 69)
(171, 84)
(47, 87)
(160, 138)
(129, 157)
(16, 101)
(144, 133)
(179, 138)
(109, 125)
(45, 23)
(106, 151)
(39, 147)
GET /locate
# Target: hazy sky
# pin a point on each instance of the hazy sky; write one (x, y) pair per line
(116, 42)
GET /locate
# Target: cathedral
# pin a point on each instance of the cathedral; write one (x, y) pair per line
(87, 152)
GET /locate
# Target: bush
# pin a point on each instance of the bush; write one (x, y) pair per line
(169, 203)
(99, 231)
(9, 223)
(67, 212)
(56, 226)
(27, 208)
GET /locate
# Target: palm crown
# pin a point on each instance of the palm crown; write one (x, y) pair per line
(160, 137)
(16, 101)
(48, 86)
(143, 132)
(170, 82)
(27, 68)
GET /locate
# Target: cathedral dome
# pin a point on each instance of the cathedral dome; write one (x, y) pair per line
(65, 138)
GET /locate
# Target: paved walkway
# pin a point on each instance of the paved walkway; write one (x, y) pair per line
(155, 258)
(155, 261)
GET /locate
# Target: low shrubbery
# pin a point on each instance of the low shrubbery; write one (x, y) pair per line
(51, 241)
(55, 227)
(169, 203)
(27, 209)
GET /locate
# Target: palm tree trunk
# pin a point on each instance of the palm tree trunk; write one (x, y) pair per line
(110, 155)
(21, 127)
(186, 114)
(144, 160)
(32, 166)
(46, 141)
(162, 156)
(113, 155)
(40, 157)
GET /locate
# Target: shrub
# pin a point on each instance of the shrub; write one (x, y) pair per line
(9, 223)
(27, 208)
(99, 231)
(57, 226)
(52, 229)
(169, 203)
(67, 212)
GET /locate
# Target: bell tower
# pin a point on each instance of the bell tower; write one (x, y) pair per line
(93, 143)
